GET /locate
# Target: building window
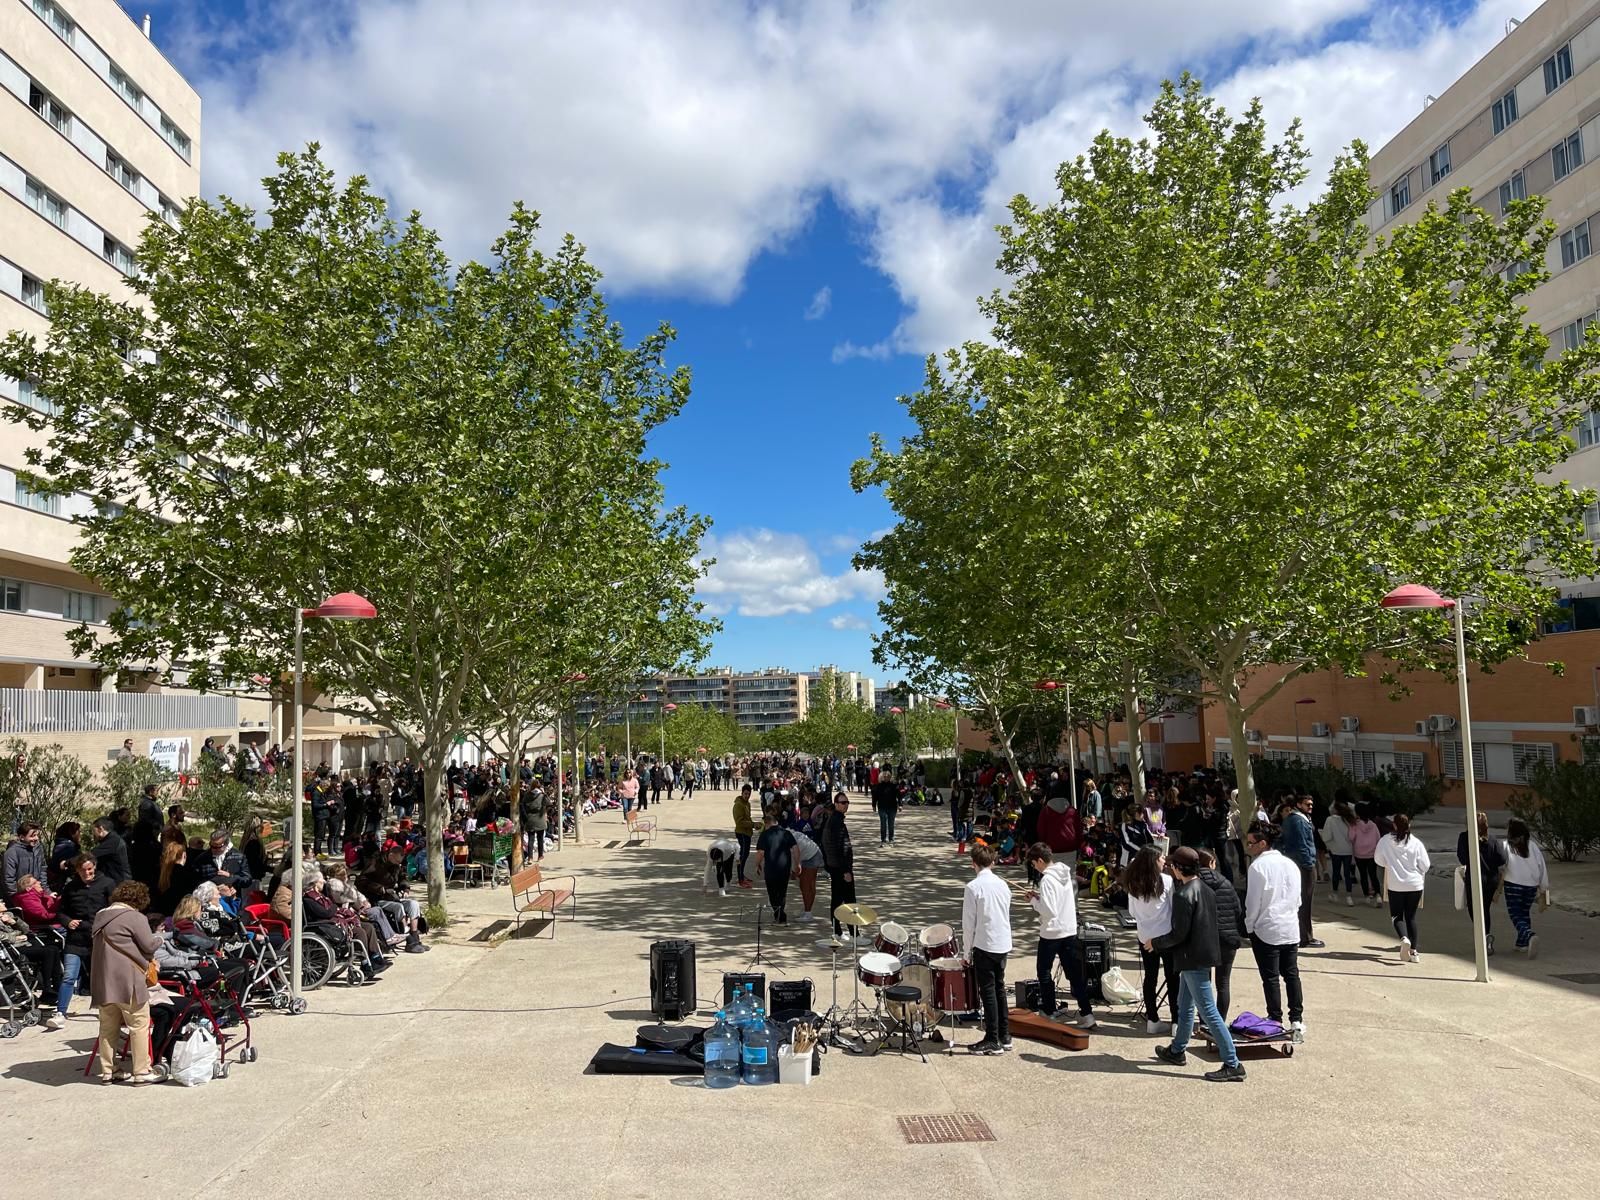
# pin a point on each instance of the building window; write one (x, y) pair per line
(1586, 429)
(1558, 68)
(29, 396)
(11, 595)
(1439, 163)
(130, 92)
(1573, 333)
(1400, 195)
(81, 606)
(44, 202)
(118, 168)
(1566, 157)
(38, 501)
(1575, 244)
(1504, 110)
(57, 20)
(33, 293)
(1514, 188)
(120, 257)
(169, 212)
(176, 138)
(48, 107)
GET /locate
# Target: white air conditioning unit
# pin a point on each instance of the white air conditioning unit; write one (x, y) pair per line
(1349, 724)
(1254, 736)
(1422, 729)
(1441, 723)
(1585, 715)
(1319, 729)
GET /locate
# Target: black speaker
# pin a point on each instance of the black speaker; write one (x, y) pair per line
(789, 998)
(736, 979)
(672, 995)
(1028, 994)
(1096, 949)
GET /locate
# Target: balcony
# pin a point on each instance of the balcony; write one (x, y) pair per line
(25, 710)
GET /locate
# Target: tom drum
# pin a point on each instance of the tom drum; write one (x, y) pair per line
(878, 970)
(955, 986)
(891, 938)
(938, 941)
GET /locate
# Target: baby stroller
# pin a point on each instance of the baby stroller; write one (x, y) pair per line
(19, 990)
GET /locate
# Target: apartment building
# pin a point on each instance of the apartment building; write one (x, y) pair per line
(849, 685)
(98, 133)
(757, 700)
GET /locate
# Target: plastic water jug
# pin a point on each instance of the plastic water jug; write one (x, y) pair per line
(760, 1049)
(722, 1055)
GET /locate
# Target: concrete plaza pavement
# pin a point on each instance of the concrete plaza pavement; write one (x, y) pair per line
(464, 1069)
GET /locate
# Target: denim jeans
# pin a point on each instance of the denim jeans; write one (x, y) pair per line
(1194, 991)
(72, 972)
(1344, 867)
(886, 824)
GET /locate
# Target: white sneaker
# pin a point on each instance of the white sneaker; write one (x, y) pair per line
(805, 916)
(722, 891)
(1533, 946)
(1158, 1026)
(1405, 950)
(1297, 1032)
(56, 1021)
(1349, 900)
(1061, 1016)
(1085, 1021)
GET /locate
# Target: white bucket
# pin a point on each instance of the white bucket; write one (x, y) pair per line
(794, 1068)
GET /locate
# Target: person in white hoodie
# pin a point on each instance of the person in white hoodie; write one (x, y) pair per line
(1526, 875)
(1054, 900)
(1149, 889)
(720, 857)
(1405, 864)
(1336, 831)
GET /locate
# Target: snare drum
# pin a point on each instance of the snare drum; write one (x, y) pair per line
(891, 938)
(938, 941)
(878, 970)
(955, 986)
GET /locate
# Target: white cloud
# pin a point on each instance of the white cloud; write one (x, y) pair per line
(848, 621)
(679, 139)
(820, 304)
(763, 573)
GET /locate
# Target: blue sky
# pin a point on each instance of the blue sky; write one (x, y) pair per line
(805, 191)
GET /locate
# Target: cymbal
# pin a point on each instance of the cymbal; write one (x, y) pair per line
(855, 914)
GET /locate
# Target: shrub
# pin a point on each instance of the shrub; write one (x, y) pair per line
(44, 784)
(220, 798)
(1387, 791)
(1562, 808)
(124, 780)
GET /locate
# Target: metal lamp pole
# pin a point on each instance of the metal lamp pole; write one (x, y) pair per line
(1410, 596)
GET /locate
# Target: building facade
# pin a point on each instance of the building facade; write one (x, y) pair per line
(757, 700)
(98, 134)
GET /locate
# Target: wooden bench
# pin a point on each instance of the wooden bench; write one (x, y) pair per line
(644, 827)
(530, 893)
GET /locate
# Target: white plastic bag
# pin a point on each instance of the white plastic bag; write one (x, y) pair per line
(1114, 984)
(194, 1059)
(1461, 888)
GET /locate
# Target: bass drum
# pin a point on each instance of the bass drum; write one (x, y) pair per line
(926, 1014)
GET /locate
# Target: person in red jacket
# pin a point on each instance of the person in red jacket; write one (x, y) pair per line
(38, 907)
(1060, 830)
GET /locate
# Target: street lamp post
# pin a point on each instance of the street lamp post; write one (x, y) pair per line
(1297, 704)
(1050, 685)
(897, 711)
(1411, 596)
(955, 743)
(665, 709)
(345, 606)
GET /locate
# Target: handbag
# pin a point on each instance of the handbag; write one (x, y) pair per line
(1461, 888)
(152, 972)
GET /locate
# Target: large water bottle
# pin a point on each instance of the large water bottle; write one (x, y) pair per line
(760, 1049)
(737, 1010)
(722, 1054)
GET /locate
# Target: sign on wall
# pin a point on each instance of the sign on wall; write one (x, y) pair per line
(171, 753)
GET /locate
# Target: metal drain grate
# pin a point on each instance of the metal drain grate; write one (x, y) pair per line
(937, 1128)
(1584, 977)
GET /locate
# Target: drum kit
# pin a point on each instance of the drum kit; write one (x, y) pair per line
(902, 960)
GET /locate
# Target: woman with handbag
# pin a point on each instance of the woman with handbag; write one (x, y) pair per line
(1526, 875)
(121, 973)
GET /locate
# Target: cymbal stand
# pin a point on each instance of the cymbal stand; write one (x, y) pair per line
(762, 906)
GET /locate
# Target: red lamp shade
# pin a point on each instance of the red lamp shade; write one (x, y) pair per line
(940, 704)
(702, 750)
(1305, 700)
(669, 708)
(1414, 595)
(897, 711)
(1046, 685)
(851, 746)
(346, 606)
(576, 677)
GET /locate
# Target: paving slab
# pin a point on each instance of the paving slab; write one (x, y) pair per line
(466, 1069)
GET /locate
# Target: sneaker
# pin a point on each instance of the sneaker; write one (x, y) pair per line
(56, 1021)
(1006, 1046)
(1060, 1016)
(1313, 944)
(1226, 1074)
(722, 892)
(985, 1047)
(1488, 944)
(1297, 1032)
(745, 883)
(1176, 1058)
(1085, 1021)
(805, 916)
(1158, 1026)
(1349, 901)
(783, 917)
(1405, 950)
(1533, 946)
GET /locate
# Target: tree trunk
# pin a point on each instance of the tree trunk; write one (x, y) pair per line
(1245, 805)
(435, 811)
(1005, 748)
(1130, 714)
(516, 815)
(577, 789)
(1094, 752)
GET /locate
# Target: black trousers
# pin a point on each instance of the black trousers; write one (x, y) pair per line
(325, 831)
(777, 877)
(1071, 957)
(991, 972)
(1224, 979)
(724, 872)
(47, 964)
(841, 891)
(744, 851)
(1308, 888)
(1367, 870)
(1154, 960)
(1275, 962)
(1403, 914)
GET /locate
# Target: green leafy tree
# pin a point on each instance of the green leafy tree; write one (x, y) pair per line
(220, 798)
(312, 399)
(46, 784)
(1562, 806)
(125, 779)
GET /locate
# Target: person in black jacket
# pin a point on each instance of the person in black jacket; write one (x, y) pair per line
(839, 857)
(1230, 926)
(1196, 948)
(1490, 862)
(82, 898)
(110, 853)
(886, 800)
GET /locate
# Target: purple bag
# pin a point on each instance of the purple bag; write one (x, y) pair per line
(1249, 1027)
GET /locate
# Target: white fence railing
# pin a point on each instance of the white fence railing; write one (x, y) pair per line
(25, 710)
